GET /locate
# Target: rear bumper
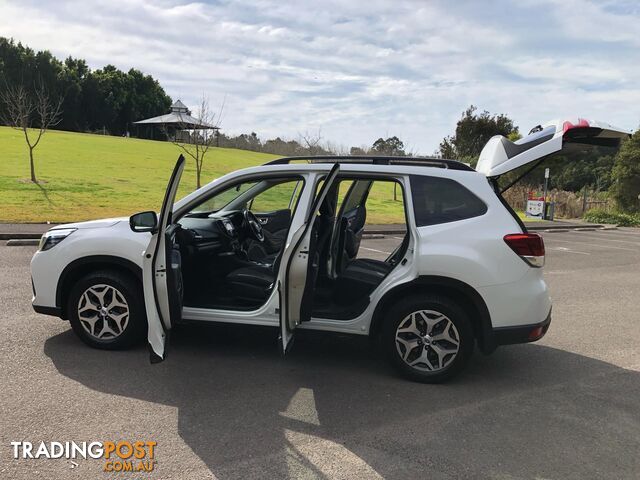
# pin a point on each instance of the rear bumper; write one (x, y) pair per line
(521, 333)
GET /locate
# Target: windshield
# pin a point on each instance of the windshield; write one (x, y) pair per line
(222, 199)
(262, 196)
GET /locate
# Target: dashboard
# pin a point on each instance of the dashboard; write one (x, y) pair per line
(229, 227)
(213, 225)
(214, 233)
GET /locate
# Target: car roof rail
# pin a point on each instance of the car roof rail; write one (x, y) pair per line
(376, 160)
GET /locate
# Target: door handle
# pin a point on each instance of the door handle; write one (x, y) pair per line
(263, 221)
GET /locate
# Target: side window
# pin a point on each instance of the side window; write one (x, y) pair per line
(363, 204)
(357, 194)
(442, 200)
(343, 188)
(385, 203)
(282, 196)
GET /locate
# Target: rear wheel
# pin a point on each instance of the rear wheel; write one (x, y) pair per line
(428, 338)
(106, 310)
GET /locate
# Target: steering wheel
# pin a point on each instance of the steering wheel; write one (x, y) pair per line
(253, 224)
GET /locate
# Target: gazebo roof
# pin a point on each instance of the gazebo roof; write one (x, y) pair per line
(178, 106)
(179, 116)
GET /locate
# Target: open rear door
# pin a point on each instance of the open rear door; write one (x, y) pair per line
(298, 269)
(351, 221)
(162, 273)
(500, 155)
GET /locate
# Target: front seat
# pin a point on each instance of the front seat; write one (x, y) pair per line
(253, 284)
(267, 251)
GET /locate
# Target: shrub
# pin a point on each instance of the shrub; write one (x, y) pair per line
(623, 219)
(626, 175)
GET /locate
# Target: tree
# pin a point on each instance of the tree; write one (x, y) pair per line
(278, 146)
(626, 175)
(312, 143)
(247, 142)
(106, 99)
(24, 110)
(575, 170)
(196, 142)
(392, 146)
(473, 131)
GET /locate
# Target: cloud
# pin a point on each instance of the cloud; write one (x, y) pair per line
(361, 69)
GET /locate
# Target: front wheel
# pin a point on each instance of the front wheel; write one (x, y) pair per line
(106, 310)
(428, 338)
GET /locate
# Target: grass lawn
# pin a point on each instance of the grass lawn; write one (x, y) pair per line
(92, 176)
(524, 217)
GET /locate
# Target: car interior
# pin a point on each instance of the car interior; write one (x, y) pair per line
(232, 243)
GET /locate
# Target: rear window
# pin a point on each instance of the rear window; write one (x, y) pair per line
(537, 134)
(441, 200)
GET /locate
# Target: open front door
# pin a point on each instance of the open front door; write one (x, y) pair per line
(300, 265)
(162, 274)
(500, 155)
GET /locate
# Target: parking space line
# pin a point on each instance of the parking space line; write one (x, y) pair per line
(603, 237)
(592, 245)
(568, 250)
(624, 233)
(374, 250)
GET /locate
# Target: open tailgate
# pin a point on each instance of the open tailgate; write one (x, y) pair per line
(500, 155)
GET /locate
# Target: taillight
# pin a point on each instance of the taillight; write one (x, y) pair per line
(529, 246)
(582, 123)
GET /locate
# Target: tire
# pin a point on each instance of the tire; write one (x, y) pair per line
(121, 323)
(422, 358)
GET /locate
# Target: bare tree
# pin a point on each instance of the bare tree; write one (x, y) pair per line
(335, 148)
(312, 142)
(195, 138)
(31, 112)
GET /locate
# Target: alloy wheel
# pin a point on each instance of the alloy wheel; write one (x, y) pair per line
(427, 340)
(103, 312)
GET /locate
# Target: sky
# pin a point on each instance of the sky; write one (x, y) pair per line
(358, 70)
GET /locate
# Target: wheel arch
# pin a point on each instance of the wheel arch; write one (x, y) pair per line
(84, 265)
(468, 298)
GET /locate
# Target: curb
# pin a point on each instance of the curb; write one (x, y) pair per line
(578, 229)
(24, 242)
(373, 236)
(20, 236)
(385, 232)
(374, 233)
(535, 228)
(566, 227)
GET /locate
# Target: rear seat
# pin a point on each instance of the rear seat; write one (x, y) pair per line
(360, 277)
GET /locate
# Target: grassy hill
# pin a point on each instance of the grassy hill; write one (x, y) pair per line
(92, 176)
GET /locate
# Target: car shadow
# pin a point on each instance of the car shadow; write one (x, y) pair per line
(333, 407)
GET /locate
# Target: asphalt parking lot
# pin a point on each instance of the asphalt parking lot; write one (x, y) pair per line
(225, 405)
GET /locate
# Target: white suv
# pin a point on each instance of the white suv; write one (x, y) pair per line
(279, 245)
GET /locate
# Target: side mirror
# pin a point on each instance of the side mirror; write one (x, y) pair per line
(143, 222)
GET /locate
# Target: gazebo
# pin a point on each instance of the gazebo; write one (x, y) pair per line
(178, 124)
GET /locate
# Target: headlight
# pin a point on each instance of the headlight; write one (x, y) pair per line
(54, 237)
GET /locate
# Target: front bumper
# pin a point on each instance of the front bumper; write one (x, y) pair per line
(54, 311)
(521, 333)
